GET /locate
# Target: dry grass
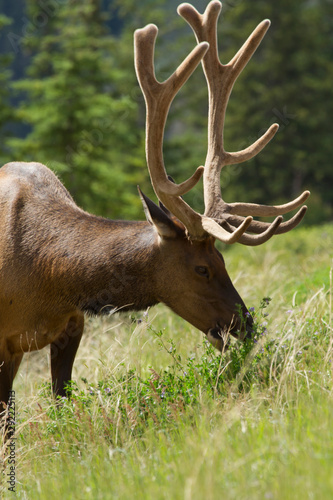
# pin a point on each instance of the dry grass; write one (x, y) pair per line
(266, 433)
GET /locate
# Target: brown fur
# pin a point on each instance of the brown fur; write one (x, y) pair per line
(58, 262)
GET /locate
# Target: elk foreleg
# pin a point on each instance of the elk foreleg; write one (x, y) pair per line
(63, 352)
(8, 369)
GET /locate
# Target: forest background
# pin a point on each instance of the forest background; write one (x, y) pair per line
(69, 98)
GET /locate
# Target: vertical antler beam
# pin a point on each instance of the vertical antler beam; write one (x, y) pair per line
(158, 97)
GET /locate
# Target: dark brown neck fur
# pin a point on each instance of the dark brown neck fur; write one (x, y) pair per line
(99, 265)
(120, 273)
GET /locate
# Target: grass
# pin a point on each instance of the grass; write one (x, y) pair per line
(157, 413)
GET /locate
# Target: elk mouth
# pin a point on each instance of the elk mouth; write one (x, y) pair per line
(219, 336)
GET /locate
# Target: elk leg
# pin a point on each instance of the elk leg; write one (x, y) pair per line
(63, 352)
(6, 381)
(8, 369)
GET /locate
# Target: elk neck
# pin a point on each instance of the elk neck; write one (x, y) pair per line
(95, 264)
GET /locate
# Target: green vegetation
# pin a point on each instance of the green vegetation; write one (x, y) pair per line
(77, 107)
(6, 111)
(157, 413)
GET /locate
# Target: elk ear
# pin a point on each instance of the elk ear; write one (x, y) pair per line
(156, 216)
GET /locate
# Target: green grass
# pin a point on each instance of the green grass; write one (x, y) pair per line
(156, 413)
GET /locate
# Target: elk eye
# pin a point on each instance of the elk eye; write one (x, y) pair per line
(202, 271)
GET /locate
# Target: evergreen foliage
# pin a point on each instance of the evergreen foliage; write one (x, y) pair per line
(81, 111)
(5, 76)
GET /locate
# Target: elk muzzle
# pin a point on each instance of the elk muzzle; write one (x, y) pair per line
(219, 336)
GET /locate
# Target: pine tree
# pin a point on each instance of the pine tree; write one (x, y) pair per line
(79, 105)
(6, 110)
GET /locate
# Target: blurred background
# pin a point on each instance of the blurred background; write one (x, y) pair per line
(69, 98)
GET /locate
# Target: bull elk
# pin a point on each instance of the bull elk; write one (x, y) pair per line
(58, 262)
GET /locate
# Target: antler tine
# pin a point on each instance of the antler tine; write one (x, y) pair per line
(158, 97)
(220, 80)
(253, 149)
(259, 227)
(267, 210)
(236, 65)
(258, 239)
(218, 232)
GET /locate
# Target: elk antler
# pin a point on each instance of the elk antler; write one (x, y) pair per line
(158, 97)
(220, 79)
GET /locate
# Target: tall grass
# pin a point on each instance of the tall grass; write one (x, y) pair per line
(157, 413)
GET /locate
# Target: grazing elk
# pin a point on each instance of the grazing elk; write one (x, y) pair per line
(58, 262)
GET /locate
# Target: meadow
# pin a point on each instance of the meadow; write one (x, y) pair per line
(156, 413)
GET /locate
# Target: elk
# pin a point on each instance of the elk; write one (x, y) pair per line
(58, 262)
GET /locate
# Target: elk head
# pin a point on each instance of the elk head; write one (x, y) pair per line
(197, 262)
